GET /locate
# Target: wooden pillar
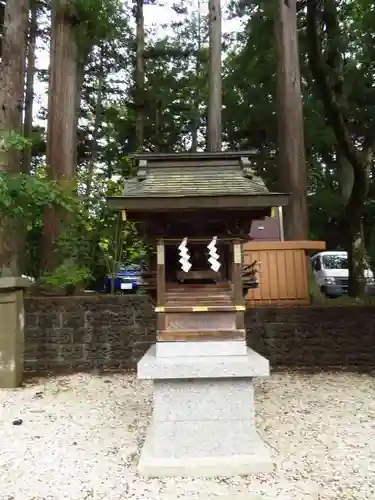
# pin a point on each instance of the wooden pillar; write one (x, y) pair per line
(160, 284)
(237, 283)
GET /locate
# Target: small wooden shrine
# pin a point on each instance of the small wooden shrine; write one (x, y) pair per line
(192, 200)
(197, 209)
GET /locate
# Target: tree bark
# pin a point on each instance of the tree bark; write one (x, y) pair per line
(356, 249)
(196, 120)
(79, 84)
(157, 129)
(97, 121)
(291, 150)
(214, 128)
(12, 72)
(140, 76)
(346, 178)
(62, 119)
(29, 95)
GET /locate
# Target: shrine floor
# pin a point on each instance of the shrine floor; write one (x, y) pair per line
(78, 437)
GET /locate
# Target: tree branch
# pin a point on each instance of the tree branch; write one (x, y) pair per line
(336, 68)
(334, 61)
(302, 4)
(332, 106)
(332, 98)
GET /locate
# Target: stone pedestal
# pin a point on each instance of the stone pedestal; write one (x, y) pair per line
(11, 331)
(203, 411)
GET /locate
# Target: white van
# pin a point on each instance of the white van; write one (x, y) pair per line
(332, 274)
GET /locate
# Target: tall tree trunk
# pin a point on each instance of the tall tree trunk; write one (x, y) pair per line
(157, 130)
(140, 76)
(12, 73)
(291, 150)
(197, 117)
(97, 121)
(79, 86)
(29, 95)
(346, 178)
(328, 79)
(356, 250)
(215, 88)
(2, 22)
(351, 218)
(62, 119)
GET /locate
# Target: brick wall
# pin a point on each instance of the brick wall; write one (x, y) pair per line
(104, 332)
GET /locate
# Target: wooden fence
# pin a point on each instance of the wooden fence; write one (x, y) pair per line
(283, 271)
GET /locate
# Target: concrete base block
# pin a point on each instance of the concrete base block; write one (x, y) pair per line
(203, 425)
(200, 400)
(251, 364)
(258, 459)
(213, 348)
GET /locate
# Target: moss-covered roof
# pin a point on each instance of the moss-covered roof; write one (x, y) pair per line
(198, 176)
(194, 181)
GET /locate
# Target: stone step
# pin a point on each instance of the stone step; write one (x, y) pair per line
(210, 347)
(201, 335)
(202, 307)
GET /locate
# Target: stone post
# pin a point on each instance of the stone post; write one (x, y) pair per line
(11, 331)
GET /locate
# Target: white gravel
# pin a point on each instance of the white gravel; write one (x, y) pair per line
(80, 435)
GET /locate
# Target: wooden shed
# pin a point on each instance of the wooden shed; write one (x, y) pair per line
(283, 271)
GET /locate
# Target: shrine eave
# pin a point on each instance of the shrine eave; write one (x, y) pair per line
(174, 203)
(197, 156)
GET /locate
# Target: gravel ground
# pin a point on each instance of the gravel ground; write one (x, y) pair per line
(80, 435)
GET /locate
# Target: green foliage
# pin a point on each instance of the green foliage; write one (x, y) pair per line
(67, 274)
(97, 22)
(93, 240)
(24, 196)
(13, 141)
(121, 243)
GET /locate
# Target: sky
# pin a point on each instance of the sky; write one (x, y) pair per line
(156, 15)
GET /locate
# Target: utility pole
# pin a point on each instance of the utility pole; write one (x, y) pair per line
(291, 149)
(214, 92)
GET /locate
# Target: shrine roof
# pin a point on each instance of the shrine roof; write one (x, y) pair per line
(198, 176)
(194, 181)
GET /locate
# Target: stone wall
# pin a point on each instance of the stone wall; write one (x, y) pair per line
(84, 333)
(104, 332)
(314, 336)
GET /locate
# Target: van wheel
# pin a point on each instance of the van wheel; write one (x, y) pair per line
(323, 290)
